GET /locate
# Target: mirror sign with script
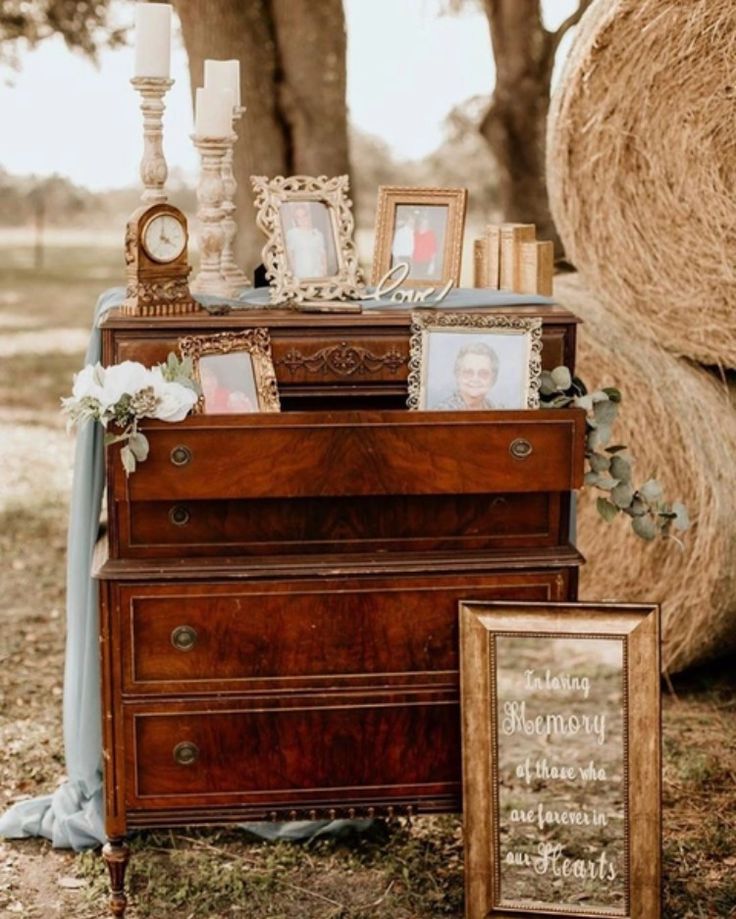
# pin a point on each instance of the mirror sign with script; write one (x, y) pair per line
(561, 761)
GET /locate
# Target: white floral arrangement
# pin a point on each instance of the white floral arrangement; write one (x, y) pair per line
(123, 394)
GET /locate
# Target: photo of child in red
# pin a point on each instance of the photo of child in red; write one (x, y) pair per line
(223, 396)
(424, 257)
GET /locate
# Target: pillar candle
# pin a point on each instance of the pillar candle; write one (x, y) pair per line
(152, 39)
(223, 75)
(213, 112)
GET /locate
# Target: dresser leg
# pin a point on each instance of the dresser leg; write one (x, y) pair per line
(116, 855)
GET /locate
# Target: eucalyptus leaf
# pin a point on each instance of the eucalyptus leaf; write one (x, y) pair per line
(637, 508)
(599, 462)
(622, 495)
(651, 491)
(590, 478)
(138, 443)
(613, 394)
(621, 469)
(644, 527)
(547, 384)
(584, 402)
(128, 459)
(607, 510)
(607, 483)
(616, 448)
(682, 518)
(605, 412)
(600, 436)
(598, 396)
(562, 378)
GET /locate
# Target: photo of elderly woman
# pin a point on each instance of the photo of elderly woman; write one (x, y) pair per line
(476, 371)
(309, 239)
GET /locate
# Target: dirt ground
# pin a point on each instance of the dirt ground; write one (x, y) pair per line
(397, 872)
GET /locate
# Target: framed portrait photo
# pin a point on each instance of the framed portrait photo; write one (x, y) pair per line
(561, 737)
(309, 252)
(423, 228)
(235, 371)
(474, 362)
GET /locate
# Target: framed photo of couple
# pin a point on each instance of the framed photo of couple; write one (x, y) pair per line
(423, 228)
(474, 362)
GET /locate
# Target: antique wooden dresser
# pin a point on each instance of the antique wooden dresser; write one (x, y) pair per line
(279, 593)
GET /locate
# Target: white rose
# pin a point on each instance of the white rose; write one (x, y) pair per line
(123, 379)
(175, 400)
(89, 382)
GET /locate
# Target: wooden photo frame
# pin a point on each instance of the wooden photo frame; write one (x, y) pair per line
(309, 252)
(470, 361)
(423, 227)
(561, 743)
(235, 371)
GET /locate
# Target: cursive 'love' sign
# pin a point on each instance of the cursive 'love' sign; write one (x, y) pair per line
(388, 287)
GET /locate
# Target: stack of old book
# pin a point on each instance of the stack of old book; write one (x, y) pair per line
(510, 257)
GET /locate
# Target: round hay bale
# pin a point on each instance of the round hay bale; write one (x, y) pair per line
(681, 427)
(641, 167)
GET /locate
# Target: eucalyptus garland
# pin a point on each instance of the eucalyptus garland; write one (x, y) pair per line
(610, 468)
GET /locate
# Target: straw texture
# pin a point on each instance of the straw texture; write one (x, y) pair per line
(642, 167)
(681, 427)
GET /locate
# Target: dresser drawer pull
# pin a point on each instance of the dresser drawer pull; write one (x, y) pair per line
(520, 448)
(184, 638)
(179, 515)
(186, 753)
(181, 455)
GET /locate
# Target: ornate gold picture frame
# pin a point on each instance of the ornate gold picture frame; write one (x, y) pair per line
(423, 227)
(235, 371)
(309, 252)
(561, 743)
(474, 361)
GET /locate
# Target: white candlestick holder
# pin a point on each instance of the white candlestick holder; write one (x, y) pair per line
(154, 170)
(228, 265)
(210, 194)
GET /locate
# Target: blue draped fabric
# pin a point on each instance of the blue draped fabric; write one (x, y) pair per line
(73, 816)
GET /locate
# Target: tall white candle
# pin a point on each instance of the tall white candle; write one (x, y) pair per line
(223, 75)
(152, 39)
(213, 112)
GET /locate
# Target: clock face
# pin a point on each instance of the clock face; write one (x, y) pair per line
(164, 238)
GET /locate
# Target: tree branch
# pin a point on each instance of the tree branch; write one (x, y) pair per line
(572, 20)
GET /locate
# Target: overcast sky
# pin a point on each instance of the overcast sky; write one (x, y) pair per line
(407, 68)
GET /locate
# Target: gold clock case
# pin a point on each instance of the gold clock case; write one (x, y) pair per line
(156, 288)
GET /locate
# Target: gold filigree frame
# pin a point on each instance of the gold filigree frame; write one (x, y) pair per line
(286, 288)
(424, 323)
(256, 343)
(392, 196)
(637, 627)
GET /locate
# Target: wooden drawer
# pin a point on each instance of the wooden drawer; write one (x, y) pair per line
(296, 753)
(395, 523)
(288, 636)
(336, 454)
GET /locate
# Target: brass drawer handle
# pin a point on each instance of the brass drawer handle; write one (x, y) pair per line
(520, 448)
(179, 515)
(184, 638)
(181, 455)
(186, 753)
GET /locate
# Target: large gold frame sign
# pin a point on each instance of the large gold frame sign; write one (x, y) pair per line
(561, 760)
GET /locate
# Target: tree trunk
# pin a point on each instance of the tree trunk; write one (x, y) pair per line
(515, 123)
(293, 73)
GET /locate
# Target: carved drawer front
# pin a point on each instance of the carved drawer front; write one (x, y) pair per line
(308, 634)
(337, 454)
(294, 753)
(395, 523)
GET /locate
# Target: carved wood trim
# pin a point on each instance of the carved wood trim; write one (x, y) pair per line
(343, 359)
